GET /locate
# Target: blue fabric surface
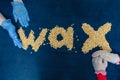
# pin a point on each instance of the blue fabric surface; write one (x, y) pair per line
(60, 64)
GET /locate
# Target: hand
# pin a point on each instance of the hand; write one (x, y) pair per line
(7, 25)
(20, 13)
(2, 18)
(99, 65)
(110, 57)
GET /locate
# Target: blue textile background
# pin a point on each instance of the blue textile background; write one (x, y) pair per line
(60, 64)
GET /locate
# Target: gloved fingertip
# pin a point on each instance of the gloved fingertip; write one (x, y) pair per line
(20, 21)
(28, 19)
(24, 21)
(27, 24)
(95, 54)
(15, 44)
(20, 45)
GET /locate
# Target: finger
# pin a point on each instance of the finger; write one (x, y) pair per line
(12, 34)
(98, 53)
(26, 21)
(28, 17)
(14, 43)
(18, 43)
(15, 17)
(106, 57)
(21, 21)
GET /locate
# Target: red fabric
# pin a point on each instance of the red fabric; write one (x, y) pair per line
(119, 61)
(101, 76)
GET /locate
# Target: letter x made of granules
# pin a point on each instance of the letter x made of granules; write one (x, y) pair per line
(96, 38)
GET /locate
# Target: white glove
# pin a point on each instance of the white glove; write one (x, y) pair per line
(110, 57)
(2, 18)
(99, 65)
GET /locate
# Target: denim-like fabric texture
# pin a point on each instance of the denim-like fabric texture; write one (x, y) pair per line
(60, 64)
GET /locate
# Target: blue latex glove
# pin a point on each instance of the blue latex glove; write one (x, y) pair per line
(7, 25)
(20, 13)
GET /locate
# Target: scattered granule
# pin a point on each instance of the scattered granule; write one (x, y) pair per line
(66, 34)
(96, 38)
(44, 44)
(30, 40)
(39, 28)
(76, 36)
(72, 24)
(30, 52)
(77, 39)
(76, 52)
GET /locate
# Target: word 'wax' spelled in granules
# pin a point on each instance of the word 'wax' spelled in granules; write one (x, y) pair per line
(96, 38)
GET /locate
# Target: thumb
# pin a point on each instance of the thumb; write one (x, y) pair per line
(99, 53)
(106, 57)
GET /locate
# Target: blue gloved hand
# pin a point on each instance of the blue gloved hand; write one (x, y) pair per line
(7, 25)
(20, 13)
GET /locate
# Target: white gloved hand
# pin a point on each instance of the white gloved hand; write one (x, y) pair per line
(99, 65)
(110, 57)
(2, 18)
